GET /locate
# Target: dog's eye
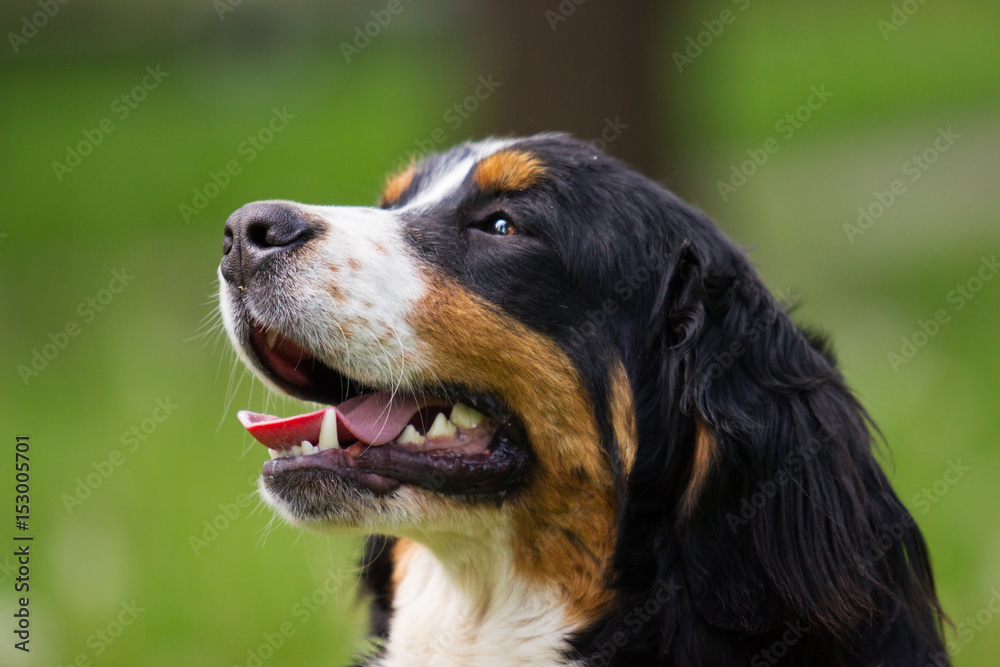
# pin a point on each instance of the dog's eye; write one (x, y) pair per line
(498, 224)
(503, 227)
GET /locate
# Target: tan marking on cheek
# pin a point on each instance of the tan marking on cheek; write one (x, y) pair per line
(508, 171)
(396, 185)
(622, 408)
(564, 522)
(353, 264)
(705, 454)
(565, 537)
(381, 249)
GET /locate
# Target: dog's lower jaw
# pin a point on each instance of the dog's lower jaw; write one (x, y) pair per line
(463, 605)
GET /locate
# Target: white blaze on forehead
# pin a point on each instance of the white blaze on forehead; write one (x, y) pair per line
(452, 176)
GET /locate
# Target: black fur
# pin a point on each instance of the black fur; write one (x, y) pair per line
(376, 569)
(796, 549)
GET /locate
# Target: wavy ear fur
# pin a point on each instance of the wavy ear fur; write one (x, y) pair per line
(778, 512)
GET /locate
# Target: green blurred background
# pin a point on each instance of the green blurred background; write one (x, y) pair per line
(122, 519)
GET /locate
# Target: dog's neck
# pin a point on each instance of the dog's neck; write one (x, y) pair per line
(460, 603)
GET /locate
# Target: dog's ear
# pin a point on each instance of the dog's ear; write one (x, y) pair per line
(780, 509)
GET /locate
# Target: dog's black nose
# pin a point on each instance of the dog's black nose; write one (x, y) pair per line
(257, 232)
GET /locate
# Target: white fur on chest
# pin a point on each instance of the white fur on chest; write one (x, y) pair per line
(475, 614)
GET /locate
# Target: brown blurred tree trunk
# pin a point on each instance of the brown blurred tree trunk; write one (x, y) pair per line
(587, 67)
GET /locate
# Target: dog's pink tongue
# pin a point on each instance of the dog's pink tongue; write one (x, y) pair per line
(374, 419)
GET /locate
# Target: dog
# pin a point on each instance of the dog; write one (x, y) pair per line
(573, 422)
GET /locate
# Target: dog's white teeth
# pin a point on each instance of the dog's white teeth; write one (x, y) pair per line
(272, 337)
(441, 427)
(464, 416)
(284, 453)
(328, 431)
(308, 448)
(410, 435)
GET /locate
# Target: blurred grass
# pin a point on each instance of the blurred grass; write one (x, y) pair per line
(130, 539)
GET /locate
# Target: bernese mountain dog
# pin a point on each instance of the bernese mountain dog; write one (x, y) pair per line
(574, 424)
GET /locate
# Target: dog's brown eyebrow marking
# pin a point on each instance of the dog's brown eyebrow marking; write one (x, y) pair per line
(397, 184)
(508, 170)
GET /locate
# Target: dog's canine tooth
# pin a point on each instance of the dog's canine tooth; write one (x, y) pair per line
(464, 416)
(410, 435)
(441, 427)
(272, 337)
(328, 432)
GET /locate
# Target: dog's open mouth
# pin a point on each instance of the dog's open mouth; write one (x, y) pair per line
(451, 442)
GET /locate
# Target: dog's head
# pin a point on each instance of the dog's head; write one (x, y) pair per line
(528, 340)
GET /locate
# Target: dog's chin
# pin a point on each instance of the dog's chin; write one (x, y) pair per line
(328, 505)
(337, 507)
